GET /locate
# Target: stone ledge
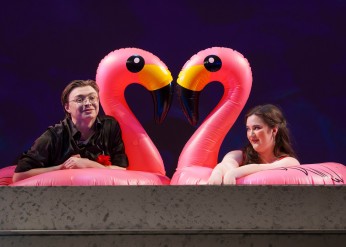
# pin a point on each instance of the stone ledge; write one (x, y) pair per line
(204, 240)
(172, 209)
(168, 232)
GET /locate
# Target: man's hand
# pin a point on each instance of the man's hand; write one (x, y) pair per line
(75, 162)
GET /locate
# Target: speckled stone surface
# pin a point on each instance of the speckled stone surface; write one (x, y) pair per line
(171, 209)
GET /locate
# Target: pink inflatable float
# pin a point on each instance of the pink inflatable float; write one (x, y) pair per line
(328, 173)
(116, 71)
(200, 154)
(6, 175)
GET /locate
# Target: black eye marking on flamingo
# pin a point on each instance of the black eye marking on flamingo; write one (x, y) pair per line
(212, 63)
(135, 63)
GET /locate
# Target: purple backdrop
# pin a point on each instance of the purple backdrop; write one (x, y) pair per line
(295, 48)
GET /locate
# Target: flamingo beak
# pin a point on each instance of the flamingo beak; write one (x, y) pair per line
(189, 101)
(190, 83)
(157, 79)
(162, 102)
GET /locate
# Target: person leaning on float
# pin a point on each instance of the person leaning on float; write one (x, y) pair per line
(82, 140)
(269, 147)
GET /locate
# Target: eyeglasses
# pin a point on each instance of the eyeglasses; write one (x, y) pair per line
(82, 100)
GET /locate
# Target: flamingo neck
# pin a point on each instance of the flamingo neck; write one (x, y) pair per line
(121, 112)
(141, 151)
(203, 147)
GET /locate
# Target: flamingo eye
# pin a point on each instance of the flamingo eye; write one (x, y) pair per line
(212, 63)
(135, 63)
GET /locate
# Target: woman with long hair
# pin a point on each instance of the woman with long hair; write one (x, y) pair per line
(269, 147)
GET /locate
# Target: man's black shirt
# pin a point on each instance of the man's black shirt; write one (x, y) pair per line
(61, 141)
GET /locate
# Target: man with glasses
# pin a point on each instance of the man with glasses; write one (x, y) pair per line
(82, 140)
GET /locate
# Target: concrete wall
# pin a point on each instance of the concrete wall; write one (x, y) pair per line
(172, 214)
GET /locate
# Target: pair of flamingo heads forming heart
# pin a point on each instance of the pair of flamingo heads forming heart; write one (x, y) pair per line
(131, 65)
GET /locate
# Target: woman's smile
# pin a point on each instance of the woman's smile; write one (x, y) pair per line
(259, 134)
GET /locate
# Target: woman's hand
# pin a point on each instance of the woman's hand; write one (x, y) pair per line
(230, 162)
(230, 177)
(215, 177)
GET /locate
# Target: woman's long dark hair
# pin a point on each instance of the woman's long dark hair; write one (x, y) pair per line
(273, 117)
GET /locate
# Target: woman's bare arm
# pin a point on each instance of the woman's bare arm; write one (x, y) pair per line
(231, 175)
(231, 161)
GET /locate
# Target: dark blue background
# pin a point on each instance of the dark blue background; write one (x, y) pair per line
(295, 48)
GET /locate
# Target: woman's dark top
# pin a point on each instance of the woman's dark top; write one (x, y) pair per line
(61, 141)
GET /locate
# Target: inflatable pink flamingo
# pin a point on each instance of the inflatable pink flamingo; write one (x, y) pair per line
(199, 156)
(115, 72)
(230, 68)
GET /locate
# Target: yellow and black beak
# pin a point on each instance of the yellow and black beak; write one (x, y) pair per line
(162, 98)
(190, 83)
(189, 102)
(158, 80)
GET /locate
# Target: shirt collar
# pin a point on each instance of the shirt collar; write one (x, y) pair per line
(76, 134)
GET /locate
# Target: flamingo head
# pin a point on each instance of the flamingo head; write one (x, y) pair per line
(220, 64)
(125, 66)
